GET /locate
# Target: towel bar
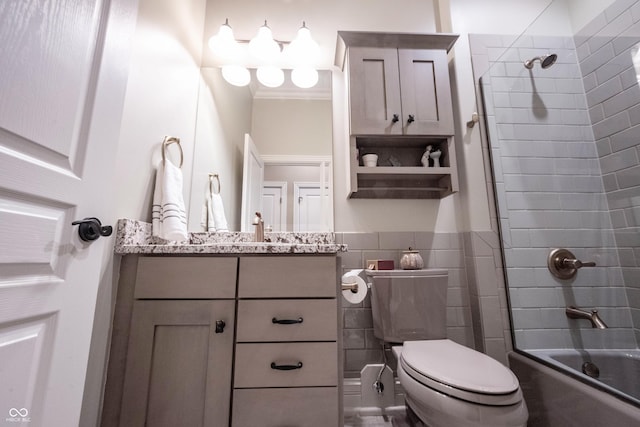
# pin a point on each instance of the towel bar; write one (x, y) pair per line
(213, 176)
(168, 140)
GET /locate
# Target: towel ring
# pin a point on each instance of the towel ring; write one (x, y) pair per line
(168, 140)
(213, 176)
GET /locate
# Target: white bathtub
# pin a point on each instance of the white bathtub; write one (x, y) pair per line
(558, 393)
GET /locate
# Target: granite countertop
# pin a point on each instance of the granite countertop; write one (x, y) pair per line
(135, 237)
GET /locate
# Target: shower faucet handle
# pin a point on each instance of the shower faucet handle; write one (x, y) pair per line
(576, 263)
(564, 265)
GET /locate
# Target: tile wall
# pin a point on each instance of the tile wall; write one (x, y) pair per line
(548, 179)
(439, 250)
(607, 49)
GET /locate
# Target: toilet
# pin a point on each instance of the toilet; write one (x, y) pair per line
(446, 384)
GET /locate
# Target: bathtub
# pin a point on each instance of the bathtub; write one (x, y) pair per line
(558, 393)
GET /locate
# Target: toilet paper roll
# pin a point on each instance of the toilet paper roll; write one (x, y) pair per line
(361, 292)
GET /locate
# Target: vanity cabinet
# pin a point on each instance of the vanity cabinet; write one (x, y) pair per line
(173, 366)
(286, 360)
(225, 341)
(399, 104)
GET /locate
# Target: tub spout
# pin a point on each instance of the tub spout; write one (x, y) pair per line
(592, 316)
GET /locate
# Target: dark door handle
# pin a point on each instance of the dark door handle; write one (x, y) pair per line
(411, 119)
(220, 324)
(90, 229)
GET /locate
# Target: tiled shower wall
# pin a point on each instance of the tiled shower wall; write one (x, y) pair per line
(605, 50)
(550, 193)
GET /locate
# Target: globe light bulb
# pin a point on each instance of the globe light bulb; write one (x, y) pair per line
(224, 44)
(304, 77)
(236, 75)
(263, 46)
(270, 76)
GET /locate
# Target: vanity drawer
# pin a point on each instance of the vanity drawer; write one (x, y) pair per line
(256, 365)
(272, 320)
(287, 277)
(186, 277)
(295, 407)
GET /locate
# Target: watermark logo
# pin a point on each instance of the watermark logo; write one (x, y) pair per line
(20, 415)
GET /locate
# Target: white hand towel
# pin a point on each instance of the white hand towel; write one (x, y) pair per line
(169, 218)
(206, 218)
(219, 218)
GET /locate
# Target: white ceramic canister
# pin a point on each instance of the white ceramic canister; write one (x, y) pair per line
(411, 260)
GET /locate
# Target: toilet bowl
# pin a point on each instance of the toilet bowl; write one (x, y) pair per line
(446, 384)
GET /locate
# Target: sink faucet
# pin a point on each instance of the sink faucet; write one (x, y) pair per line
(259, 223)
(577, 313)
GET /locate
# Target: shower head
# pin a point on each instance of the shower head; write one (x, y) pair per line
(546, 61)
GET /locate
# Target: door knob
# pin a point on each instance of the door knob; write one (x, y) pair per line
(395, 118)
(411, 119)
(90, 229)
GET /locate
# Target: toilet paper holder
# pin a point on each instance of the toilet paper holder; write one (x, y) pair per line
(353, 287)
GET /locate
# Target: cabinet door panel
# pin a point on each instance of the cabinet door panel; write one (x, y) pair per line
(426, 95)
(299, 407)
(288, 277)
(374, 91)
(186, 277)
(178, 368)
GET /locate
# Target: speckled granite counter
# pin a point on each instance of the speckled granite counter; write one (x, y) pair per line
(134, 237)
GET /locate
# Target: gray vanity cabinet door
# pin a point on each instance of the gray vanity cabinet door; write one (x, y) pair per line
(179, 364)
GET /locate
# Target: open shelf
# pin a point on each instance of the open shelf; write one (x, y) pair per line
(400, 173)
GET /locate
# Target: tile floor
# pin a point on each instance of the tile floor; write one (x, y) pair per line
(376, 421)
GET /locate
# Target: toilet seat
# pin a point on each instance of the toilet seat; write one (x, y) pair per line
(459, 371)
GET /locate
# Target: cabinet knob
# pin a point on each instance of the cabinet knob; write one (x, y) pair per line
(395, 118)
(220, 324)
(411, 119)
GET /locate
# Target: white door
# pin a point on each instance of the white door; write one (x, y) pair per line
(274, 205)
(252, 179)
(63, 71)
(307, 209)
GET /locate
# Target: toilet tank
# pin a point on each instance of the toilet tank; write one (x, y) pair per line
(409, 305)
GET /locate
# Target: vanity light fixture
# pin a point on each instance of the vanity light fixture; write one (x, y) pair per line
(301, 53)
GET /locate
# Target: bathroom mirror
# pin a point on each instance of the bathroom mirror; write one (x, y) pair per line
(291, 130)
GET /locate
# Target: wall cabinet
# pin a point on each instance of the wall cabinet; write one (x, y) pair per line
(399, 103)
(399, 92)
(180, 354)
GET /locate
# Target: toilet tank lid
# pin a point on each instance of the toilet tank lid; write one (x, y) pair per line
(426, 272)
(458, 366)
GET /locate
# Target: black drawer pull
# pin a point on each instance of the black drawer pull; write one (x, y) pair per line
(286, 321)
(286, 367)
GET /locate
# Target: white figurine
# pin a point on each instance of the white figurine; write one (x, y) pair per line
(425, 157)
(435, 155)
